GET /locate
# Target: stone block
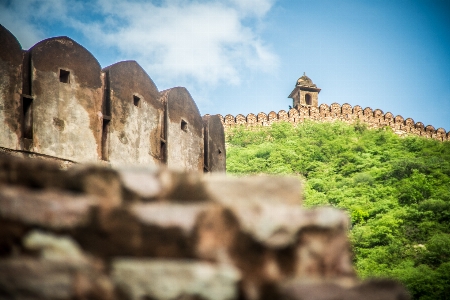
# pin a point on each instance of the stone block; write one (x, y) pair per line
(174, 279)
(162, 184)
(35, 278)
(95, 180)
(380, 289)
(270, 243)
(267, 189)
(141, 184)
(156, 229)
(47, 208)
(30, 172)
(53, 247)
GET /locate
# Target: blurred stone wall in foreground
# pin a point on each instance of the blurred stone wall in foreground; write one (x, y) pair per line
(92, 232)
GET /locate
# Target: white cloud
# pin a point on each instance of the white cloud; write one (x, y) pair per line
(253, 7)
(205, 41)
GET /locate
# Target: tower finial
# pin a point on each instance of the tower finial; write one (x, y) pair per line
(304, 73)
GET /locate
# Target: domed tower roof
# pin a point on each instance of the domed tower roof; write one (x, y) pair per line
(305, 93)
(305, 81)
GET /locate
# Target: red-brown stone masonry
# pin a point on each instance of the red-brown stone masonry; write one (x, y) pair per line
(389, 119)
(335, 112)
(251, 119)
(346, 111)
(283, 116)
(240, 120)
(262, 119)
(294, 116)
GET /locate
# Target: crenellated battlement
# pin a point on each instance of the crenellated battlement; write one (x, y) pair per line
(336, 112)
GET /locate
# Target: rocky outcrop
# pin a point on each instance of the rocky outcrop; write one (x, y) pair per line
(91, 232)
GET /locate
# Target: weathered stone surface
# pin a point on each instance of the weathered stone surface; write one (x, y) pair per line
(31, 278)
(39, 174)
(324, 253)
(156, 229)
(51, 246)
(146, 279)
(369, 290)
(215, 151)
(10, 83)
(45, 208)
(11, 56)
(184, 139)
(56, 103)
(184, 236)
(61, 270)
(271, 243)
(141, 184)
(95, 180)
(30, 172)
(135, 115)
(162, 184)
(183, 186)
(67, 97)
(168, 215)
(264, 189)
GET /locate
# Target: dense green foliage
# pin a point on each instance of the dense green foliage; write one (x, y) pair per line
(396, 191)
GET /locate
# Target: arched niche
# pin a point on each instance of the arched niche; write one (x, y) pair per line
(308, 99)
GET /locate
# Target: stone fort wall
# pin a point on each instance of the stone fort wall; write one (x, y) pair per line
(56, 102)
(336, 112)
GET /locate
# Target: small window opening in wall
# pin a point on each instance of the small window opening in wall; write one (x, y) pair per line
(64, 76)
(308, 99)
(105, 139)
(219, 151)
(184, 125)
(136, 100)
(27, 110)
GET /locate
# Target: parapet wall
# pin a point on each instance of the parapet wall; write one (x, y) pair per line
(58, 103)
(335, 112)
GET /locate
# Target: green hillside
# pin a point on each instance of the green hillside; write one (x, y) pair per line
(396, 190)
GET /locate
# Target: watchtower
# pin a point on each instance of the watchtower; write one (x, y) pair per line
(305, 93)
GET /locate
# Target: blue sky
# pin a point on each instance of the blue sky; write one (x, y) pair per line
(243, 56)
